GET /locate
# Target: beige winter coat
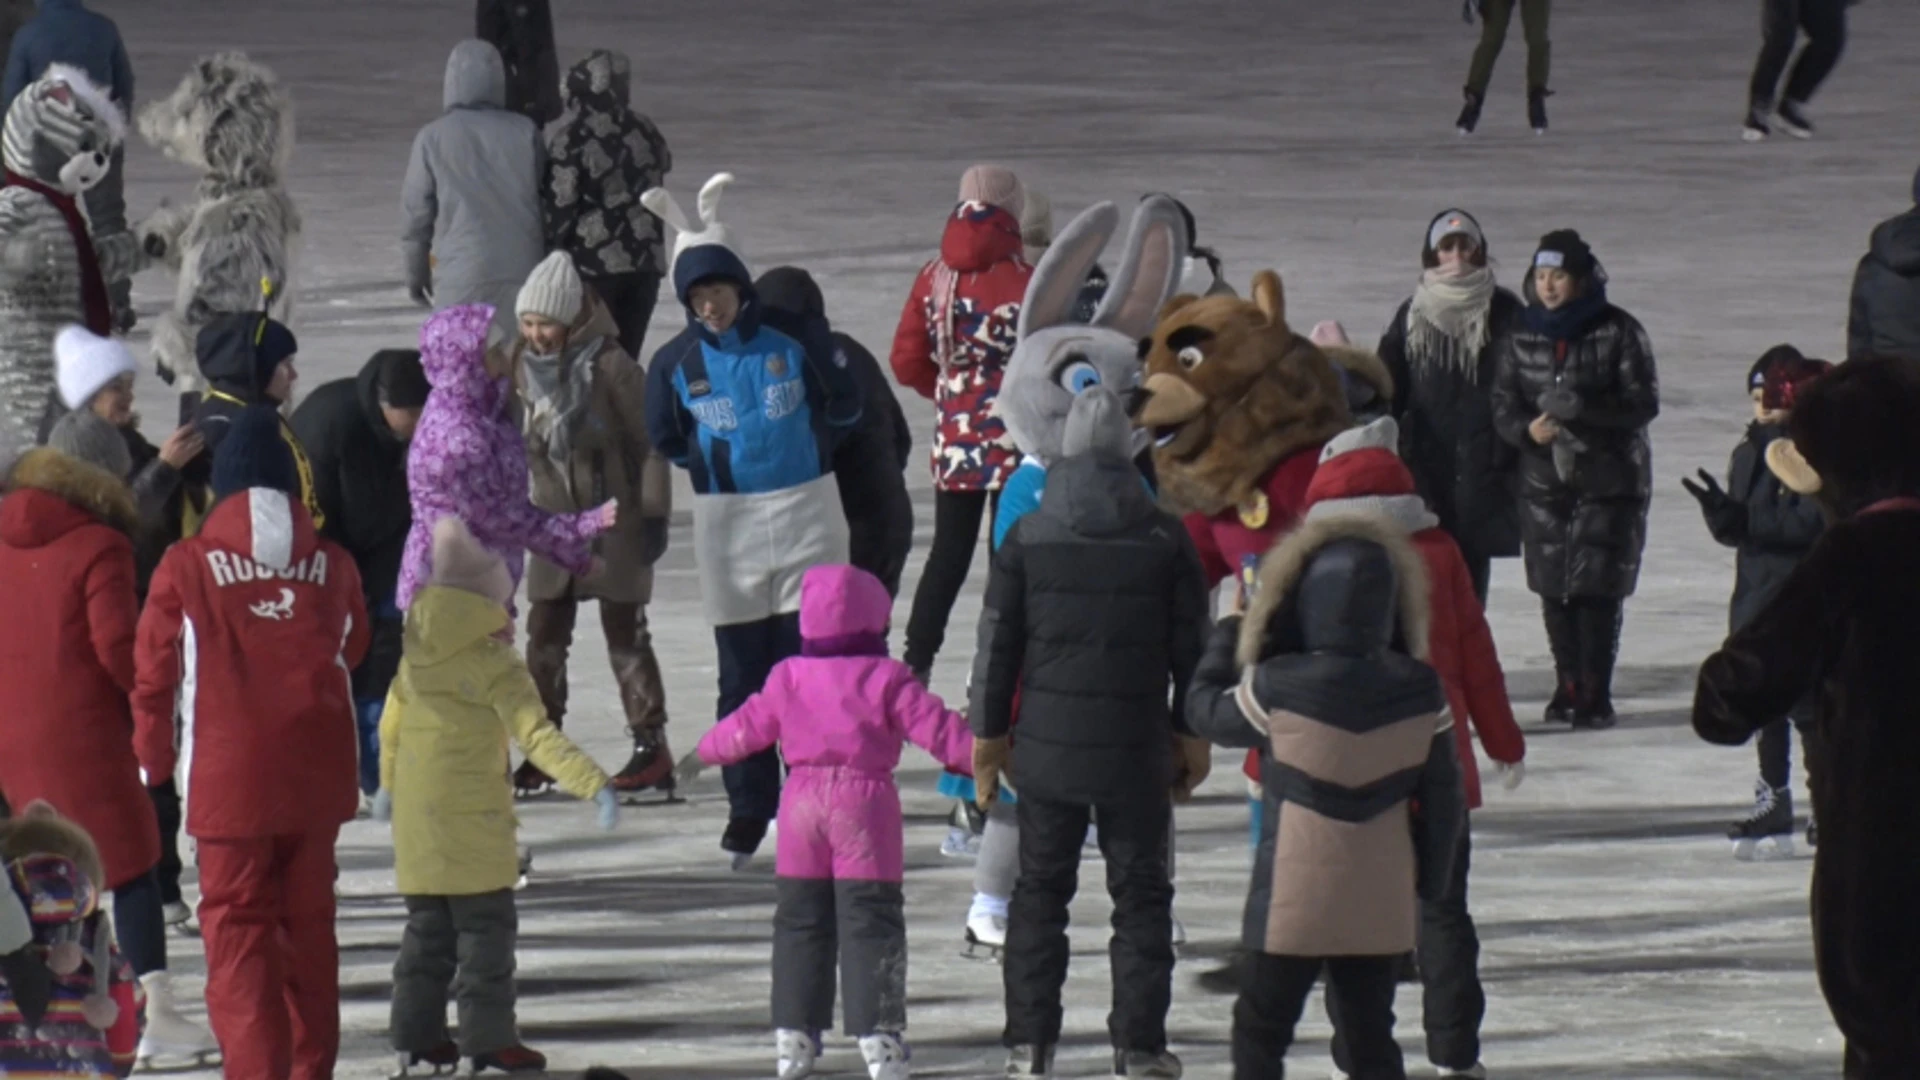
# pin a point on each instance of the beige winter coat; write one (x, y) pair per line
(611, 459)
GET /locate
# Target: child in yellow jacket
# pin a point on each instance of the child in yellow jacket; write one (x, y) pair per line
(461, 694)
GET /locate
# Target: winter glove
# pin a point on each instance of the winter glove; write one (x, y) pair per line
(609, 805)
(1560, 403)
(1510, 773)
(383, 805)
(1469, 11)
(1194, 762)
(419, 275)
(653, 540)
(1726, 518)
(989, 761)
(687, 769)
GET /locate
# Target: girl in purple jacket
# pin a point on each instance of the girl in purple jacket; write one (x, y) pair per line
(468, 460)
(840, 712)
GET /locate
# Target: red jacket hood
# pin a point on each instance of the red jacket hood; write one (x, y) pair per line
(978, 236)
(265, 525)
(54, 494)
(1360, 472)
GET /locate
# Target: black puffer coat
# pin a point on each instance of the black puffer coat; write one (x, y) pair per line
(523, 32)
(1775, 531)
(1884, 315)
(1584, 536)
(1464, 470)
(1096, 605)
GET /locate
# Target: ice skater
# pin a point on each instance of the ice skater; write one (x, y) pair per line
(1781, 24)
(441, 751)
(1773, 529)
(840, 713)
(1495, 15)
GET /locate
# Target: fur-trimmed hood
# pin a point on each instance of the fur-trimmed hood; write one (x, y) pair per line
(93, 494)
(1283, 566)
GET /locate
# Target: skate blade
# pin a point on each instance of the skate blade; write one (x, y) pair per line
(1768, 849)
(666, 798)
(184, 929)
(983, 954)
(169, 1061)
(526, 794)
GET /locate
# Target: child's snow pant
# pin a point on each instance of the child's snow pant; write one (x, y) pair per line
(1495, 15)
(1274, 992)
(471, 937)
(997, 867)
(273, 965)
(1133, 838)
(863, 925)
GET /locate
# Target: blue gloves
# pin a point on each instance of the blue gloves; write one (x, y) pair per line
(383, 805)
(609, 805)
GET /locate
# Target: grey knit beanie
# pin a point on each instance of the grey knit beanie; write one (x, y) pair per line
(553, 291)
(84, 435)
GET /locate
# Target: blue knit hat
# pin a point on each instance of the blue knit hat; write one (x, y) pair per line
(254, 454)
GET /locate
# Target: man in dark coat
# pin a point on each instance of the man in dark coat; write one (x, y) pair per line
(356, 433)
(1842, 628)
(1096, 606)
(599, 162)
(248, 360)
(1883, 318)
(523, 32)
(870, 464)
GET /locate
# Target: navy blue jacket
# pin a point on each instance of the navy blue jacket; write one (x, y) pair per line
(65, 32)
(760, 408)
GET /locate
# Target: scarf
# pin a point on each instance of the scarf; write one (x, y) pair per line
(1447, 320)
(96, 308)
(1569, 320)
(559, 391)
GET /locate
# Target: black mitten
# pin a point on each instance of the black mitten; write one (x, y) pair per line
(30, 983)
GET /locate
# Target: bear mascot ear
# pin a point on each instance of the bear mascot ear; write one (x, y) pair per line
(1174, 305)
(1270, 298)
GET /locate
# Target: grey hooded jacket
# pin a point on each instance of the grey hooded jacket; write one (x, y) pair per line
(472, 196)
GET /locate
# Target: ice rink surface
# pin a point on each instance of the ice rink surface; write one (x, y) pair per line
(1621, 940)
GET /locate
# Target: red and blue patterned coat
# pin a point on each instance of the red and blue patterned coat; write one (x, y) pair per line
(955, 337)
(77, 1037)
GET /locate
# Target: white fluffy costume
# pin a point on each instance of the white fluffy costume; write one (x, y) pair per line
(58, 141)
(232, 120)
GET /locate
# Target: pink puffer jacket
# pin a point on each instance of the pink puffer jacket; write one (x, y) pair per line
(840, 712)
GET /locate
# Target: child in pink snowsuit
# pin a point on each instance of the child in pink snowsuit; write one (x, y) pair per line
(840, 712)
(468, 460)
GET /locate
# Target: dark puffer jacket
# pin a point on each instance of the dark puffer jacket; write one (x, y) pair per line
(1583, 535)
(599, 162)
(870, 464)
(1462, 467)
(1884, 315)
(523, 32)
(1096, 605)
(1773, 533)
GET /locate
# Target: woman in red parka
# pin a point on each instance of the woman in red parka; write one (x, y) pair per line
(1360, 472)
(955, 337)
(66, 668)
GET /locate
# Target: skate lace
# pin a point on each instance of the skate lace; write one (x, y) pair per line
(1765, 800)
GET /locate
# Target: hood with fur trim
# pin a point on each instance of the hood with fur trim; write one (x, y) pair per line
(1282, 567)
(51, 494)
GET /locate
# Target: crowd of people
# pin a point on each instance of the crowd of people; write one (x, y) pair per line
(283, 617)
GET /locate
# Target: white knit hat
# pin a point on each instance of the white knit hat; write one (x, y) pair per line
(688, 233)
(553, 291)
(995, 185)
(85, 362)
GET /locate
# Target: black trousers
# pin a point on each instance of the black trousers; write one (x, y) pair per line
(139, 924)
(1273, 994)
(956, 533)
(1776, 745)
(166, 806)
(1133, 839)
(1480, 569)
(1454, 1004)
(748, 652)
(1781, 22)
(630, 297)
(1584, 633)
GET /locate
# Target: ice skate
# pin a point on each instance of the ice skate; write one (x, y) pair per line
(1537, 109)
(1756, 129)
(795, 1053)
(179, 919)
(986, 930)
(526, 869)
(1560, 709)
(1030, 1063)
(649, 769)
(1146, 1065)
(529, 782)
(1767, 831)
(442, 1060)
(1595, 715)
(171, 1041)
(886, 1056)
(1794, 120)
(1469, 114)
(513, 1059)
(964, 825)
(1475, 1071)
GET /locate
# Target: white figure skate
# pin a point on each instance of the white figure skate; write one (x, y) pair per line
(886, 1057)
(795, 1053)
(986, 931)
(171, 1041)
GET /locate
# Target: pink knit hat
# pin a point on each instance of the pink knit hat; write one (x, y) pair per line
(995, 185)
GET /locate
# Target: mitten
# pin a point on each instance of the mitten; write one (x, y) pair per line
(1560, 403)
(653, 540)
(1510, 773)
(688, 769)
(1195, 762)
(419, 275)
(989, 761)
(609, 805)
(383, 805)
(1469, 11)
(1726, 518)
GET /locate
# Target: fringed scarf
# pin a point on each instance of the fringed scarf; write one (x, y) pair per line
(97, 309)
(1448, 320)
